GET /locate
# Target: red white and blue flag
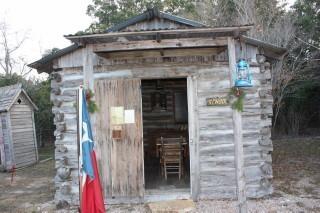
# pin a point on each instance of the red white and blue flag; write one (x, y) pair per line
(91, 199)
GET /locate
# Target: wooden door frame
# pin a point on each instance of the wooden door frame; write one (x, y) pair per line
(193, 136)
(193, 144)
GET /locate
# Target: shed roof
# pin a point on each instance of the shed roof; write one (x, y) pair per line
(42, 63)
(9, 94)
(191, 29)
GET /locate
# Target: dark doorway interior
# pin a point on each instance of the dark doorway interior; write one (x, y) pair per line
(165, 115)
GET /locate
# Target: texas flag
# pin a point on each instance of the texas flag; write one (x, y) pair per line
(91, 200)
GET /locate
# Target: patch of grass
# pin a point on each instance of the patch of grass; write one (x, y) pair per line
(46, 152)
(294, 160)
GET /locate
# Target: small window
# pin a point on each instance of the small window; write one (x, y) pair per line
(19, 101)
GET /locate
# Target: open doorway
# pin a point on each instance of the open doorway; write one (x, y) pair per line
(165, 134)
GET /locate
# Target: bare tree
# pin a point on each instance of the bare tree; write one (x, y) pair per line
(10, 43)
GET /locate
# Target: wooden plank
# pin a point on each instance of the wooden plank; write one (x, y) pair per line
(2, 151)
(22, 135)
(193, 136)
(22, 126)
(162, 53)
(165, 32)
(163, 44)
(20, 116)
(26, 151)
(25, 161)
(21, 121)
(27, 146)
(87, 57)
(23, 108)
(25, 143)
(9, 127)
(237, 134)
(14, 130)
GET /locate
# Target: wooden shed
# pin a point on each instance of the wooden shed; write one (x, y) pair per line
(18, 144)
(156, 77)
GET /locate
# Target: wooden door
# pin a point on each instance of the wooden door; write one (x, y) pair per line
(120, 145)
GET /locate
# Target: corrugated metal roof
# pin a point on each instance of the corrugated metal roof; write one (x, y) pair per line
(154, 13)
(9, 94)
(258, 43)
(49, 58)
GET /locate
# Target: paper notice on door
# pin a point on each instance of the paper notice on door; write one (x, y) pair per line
(116, 115)
(129, 116)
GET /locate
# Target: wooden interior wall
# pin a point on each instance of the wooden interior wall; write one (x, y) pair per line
(161, 120)
(23, 137)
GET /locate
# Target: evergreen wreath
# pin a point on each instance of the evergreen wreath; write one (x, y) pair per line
(239, 94)
(91, 104)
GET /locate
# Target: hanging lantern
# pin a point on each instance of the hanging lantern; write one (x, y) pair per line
(243, 75)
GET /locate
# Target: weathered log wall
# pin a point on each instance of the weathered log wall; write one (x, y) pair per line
(215, 133)
(64, 85)
(217, 169)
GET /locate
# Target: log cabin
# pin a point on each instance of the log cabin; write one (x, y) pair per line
(154, 75)
(18, 144)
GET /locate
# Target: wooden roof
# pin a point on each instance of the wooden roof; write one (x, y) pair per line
(9, 94)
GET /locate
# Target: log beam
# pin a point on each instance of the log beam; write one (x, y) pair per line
(163, 44)
(162, 53)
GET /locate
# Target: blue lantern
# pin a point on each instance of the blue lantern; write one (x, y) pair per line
(243, 75)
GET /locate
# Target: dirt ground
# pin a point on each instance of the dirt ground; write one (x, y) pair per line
(31, 190)
(296, 170)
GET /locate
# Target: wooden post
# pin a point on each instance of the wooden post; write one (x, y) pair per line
(2, 152)
(237, 134)
(79, 134)
(87, 57)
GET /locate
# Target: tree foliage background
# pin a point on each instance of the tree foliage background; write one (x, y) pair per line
(295, 80)
(108, 13)
(39, 92)
(13, 69)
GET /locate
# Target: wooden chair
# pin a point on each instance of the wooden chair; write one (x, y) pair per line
(172, 156)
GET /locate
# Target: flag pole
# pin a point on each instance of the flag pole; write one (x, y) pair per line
(79, 133)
